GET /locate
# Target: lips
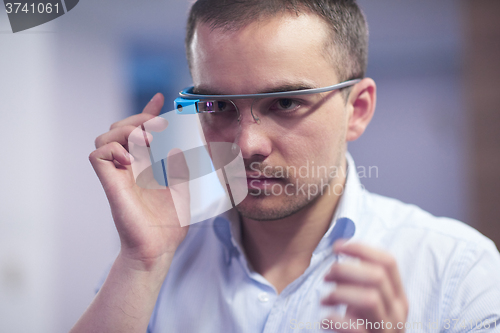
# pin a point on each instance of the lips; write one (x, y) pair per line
(255, 176)
(261, 182)
(259, 176)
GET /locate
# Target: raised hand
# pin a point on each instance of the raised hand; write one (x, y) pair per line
(146, 219)
(371, 289)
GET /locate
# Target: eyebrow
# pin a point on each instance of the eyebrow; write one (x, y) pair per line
(280, 88)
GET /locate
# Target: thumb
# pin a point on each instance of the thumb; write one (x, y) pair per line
(178, 183)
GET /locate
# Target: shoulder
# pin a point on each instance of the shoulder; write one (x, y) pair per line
(398, 217)
(427, 247)
(440, 259)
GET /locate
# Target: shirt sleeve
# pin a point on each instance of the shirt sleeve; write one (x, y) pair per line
(472, 293)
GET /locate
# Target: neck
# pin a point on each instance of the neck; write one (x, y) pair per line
(281, 250)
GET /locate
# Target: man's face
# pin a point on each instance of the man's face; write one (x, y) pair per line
(284, 51)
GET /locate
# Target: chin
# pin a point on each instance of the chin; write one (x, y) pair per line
(270, 208)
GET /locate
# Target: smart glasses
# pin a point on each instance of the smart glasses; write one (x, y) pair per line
(222, 111)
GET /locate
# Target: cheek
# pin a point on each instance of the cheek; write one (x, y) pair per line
(317, 140)
(311, 141)
(331, 129)
(213, 135)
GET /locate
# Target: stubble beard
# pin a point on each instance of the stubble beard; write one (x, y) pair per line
(272, 207)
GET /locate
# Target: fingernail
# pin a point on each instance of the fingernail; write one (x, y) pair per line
(129, 157)
(339, 244)
(153, 97)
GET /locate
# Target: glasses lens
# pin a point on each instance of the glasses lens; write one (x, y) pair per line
(217, 114)
(215, 106)
(222, 114)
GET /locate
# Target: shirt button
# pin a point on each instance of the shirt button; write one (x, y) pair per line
(263, 297)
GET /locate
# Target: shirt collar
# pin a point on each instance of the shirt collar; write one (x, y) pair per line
(343, 225)
(345, 219)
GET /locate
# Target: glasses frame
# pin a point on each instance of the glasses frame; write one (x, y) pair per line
(187, 102)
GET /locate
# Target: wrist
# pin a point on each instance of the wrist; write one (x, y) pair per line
(154, 267)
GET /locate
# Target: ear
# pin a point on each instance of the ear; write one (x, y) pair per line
(361, 106)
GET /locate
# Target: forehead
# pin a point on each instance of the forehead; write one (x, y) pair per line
(281, 50)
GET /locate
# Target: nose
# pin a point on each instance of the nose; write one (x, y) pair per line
(252, 137)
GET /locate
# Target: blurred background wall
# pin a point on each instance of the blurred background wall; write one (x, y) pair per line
(434, 139)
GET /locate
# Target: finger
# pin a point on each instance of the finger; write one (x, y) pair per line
(177, 168)
(340, 242)
(376, 256)
(154, 106)
(104, 160)
(135, 120)
(156, 124)
(346, 324)
(123, 135)
(367, 302)
(141, 167)
(178, 183)
(152, 109)
(364, 274)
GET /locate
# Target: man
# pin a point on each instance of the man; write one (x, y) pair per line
(268, 265)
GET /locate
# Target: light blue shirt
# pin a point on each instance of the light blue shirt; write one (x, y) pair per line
(450, 272)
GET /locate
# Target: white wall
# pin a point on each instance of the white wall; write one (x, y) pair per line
(27, 179)
(91, 96)
(59, 90)
(418, 135)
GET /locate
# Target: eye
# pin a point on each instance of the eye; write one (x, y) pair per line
(221, 106)
(285, 104)
(215, 106)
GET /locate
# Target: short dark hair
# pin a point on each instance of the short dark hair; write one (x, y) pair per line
(349, 31)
